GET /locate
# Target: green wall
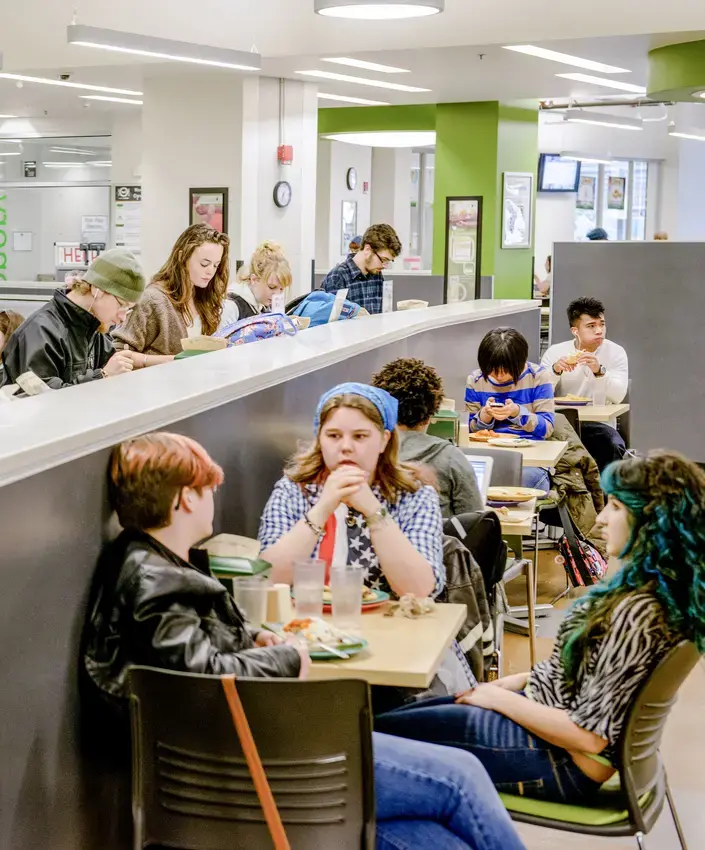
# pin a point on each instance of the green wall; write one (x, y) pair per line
(475, 144)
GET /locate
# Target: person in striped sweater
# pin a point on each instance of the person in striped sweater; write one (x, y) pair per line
(507, 394)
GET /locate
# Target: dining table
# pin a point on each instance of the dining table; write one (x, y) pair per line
(401, 652)
(607, 413)
(538, 453)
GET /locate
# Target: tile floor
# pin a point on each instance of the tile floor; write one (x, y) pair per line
(683, 747)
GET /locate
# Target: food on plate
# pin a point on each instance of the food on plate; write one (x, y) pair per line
(484, 436)
(367, 595)
(509, 442)
(314, 630)
(572, 359)
(512, 494)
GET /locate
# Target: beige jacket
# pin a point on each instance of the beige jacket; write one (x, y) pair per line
(154, 326)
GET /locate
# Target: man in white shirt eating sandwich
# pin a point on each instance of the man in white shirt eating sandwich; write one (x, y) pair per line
(591, 366)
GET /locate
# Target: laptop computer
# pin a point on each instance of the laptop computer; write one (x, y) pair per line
(482, 467)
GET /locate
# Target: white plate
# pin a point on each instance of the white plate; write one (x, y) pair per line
(509, 442)
(513, 494)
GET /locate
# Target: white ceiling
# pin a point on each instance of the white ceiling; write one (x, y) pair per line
(442, 52)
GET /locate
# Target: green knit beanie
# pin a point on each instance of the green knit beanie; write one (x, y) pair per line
(118, 272)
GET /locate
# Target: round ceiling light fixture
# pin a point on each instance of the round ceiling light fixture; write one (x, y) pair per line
(699, 94)
(378, 10)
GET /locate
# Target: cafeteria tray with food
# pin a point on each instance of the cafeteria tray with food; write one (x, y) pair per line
(323, 640)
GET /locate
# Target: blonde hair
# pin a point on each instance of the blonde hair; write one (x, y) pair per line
(393, 477)
(173, 277)
(268, 261)
(82, 287)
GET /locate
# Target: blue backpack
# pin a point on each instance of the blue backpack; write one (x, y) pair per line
(318, 305)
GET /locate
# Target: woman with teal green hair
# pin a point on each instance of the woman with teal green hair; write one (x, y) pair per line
(553, 732)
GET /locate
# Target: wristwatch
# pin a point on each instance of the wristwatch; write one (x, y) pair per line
(601, 373)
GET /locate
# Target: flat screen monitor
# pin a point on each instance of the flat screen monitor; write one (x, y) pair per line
(482, 467)
(557, 174)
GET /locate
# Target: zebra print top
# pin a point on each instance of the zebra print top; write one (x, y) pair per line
(637, 638)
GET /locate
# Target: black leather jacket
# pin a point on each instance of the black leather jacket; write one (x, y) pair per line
(148, 606)
(60, 343)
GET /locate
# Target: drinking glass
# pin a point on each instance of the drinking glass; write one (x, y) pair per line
(250, 595)
(346, 593)
(309, 578)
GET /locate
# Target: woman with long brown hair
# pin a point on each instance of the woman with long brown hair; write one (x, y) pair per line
(347, 499)
(185, 297)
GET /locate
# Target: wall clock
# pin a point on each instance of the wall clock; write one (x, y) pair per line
(282, 194)
(351, 178)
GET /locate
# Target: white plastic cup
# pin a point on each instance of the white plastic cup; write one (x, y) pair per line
(309, 578)
(346, 595)
(250, 595)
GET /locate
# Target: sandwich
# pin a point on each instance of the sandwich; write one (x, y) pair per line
(572, 359)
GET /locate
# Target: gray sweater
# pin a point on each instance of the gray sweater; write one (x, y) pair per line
(456, 478)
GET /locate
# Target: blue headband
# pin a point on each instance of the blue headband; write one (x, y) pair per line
(386, 404)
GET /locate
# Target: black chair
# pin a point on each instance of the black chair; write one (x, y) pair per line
(573, 416)
(631, 806)
(191, 784)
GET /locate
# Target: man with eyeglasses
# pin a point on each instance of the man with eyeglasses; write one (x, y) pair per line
(66, 341)
(361, 273)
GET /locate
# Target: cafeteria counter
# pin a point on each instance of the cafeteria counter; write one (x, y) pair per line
(248, 406)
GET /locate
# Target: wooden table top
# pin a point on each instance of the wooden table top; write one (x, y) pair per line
(402, 652)
(541, 453)
(598, 412)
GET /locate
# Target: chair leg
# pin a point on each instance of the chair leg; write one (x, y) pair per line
(676, 820)
(640, 840)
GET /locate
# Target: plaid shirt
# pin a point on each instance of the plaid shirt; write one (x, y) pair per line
(417, 514)
(363, 289)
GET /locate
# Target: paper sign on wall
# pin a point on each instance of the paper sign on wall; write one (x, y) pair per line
(21, 240)
(278, 303)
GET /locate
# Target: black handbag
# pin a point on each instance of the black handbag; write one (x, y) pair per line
(583, 564)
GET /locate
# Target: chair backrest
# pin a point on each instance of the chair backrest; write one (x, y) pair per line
(642, 733)
(507, 466)
(191, 785)
(482, 466)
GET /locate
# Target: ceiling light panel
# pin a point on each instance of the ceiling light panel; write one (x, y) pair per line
(695, 135)
(22, 78)
(378, 10)
(601, 81)
(359, 100)
(602, 119)
(163, 48)
(399, 139)
(367, 66)
(361, 81)
(8, 116)
(82, 151)
(566, 59)
(580, 157)
(111, 99)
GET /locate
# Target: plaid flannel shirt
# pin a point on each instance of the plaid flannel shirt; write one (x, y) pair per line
(418, 515)
(365, 290)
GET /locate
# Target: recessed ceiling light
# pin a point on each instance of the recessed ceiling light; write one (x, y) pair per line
(566, 59)
(163, 48)
(64, 164)
(401, 139)
(72, 150)
(580, 157)
(22, 78)
(368, 66)
(600, 81)
(100, 163)
(343, 99)
(111, 99)
(8, 116)
(602, 119)
(378, 10)
(695, 135)
(362, 81)
(10, 153)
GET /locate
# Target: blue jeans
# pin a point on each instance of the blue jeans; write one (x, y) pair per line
(534, 476)
(436, 797)
(516, 761)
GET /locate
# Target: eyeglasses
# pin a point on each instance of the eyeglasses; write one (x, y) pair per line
(386, 261)
(122, 304)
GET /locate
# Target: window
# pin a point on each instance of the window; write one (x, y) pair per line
(612, 196)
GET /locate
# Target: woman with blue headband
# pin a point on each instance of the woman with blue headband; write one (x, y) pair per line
(347, 499)
(553, 732)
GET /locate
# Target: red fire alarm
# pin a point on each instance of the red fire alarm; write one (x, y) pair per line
(365, 188)
(285, 154)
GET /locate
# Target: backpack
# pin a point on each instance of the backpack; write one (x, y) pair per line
(318, 305)
(262, 326)
(244, 308)
(583, 563)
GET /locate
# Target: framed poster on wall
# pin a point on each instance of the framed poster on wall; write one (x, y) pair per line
(348, 226)
(209, 206)
(586, 194)
(616, 193)
(463, 249)
(517, 209)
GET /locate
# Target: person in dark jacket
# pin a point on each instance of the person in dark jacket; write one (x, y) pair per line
(419, 390)
(64, 342)
(155, 602)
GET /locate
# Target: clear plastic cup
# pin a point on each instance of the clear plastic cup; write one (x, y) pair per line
(346, 594)
(250, 595)
(309, 578)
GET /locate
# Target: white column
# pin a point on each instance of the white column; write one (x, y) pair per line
(391, 192)
(127, 147)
